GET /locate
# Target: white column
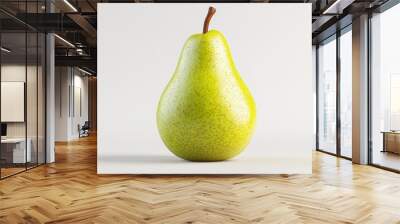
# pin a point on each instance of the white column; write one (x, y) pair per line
(50, 92)
(50, 100)
(360, 90)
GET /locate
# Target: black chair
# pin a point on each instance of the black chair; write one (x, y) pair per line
(84, 130)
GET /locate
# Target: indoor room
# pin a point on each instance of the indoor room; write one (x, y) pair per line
(200, 111)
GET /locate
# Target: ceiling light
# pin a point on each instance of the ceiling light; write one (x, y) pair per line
(84, 71)
(70, 5)
(5, 50)
(65, 41)
(79, 51)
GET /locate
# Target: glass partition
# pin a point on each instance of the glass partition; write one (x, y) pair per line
(41, 97)
(13, 145)
(22, 101)
(32, 96)
(327, 96)
(346, 93)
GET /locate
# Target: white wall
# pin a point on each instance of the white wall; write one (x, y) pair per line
(62, 81)
(69, 82)
(79, 117)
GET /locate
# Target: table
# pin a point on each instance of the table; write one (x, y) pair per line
(13, 150)
(391, 141)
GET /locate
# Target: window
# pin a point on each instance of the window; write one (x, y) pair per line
(327, 96)
(385, 89)
(335, 74)
(346, 93)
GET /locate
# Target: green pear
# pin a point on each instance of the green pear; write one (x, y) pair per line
(206, 112)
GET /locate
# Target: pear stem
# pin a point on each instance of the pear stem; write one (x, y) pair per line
(211, 12)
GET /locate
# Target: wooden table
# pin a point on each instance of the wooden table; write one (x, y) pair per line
(391, 141)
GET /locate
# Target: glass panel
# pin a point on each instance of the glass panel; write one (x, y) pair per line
(386, 89)
(22, 89)
(41, 98)
(31, 100)
(346, 93)
(314, 73)
(31, 88)
(13, 88)
(327, 96)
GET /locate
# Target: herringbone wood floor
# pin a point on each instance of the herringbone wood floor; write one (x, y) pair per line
(70, 191)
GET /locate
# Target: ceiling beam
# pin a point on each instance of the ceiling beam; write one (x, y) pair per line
(83, 61)
(320, 22)
(337, 6)
(83, 23)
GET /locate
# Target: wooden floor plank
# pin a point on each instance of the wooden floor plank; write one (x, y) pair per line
(70, 191)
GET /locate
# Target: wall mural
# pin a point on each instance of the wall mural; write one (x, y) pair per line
(168, 109)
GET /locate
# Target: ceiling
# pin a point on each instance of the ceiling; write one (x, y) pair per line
(75, 21)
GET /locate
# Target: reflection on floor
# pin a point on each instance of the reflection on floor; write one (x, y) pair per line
(387, 159)
(346, 152)
(10, 169)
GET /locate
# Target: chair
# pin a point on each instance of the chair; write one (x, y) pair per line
(84, 130)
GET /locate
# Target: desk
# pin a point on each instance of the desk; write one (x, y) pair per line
(13, 150)
(391, 141)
